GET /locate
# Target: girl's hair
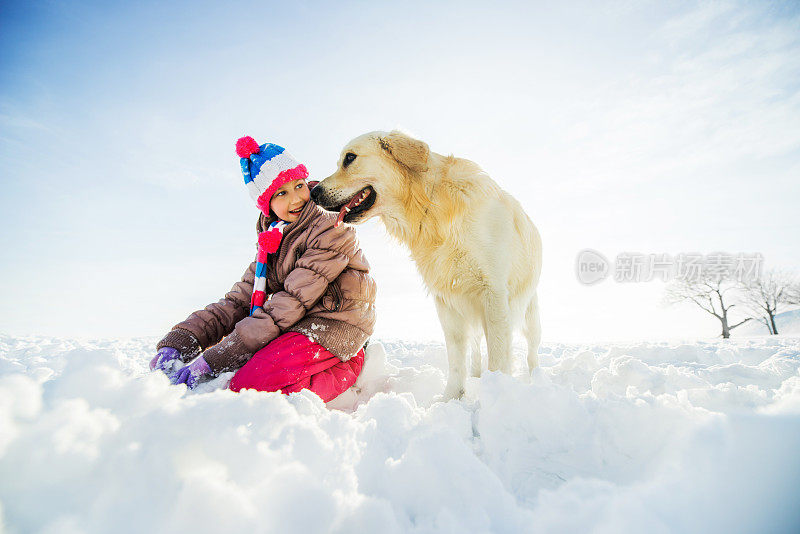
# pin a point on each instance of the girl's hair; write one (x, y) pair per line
(264, 221)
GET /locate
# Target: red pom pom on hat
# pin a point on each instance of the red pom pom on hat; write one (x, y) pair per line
(246, 146)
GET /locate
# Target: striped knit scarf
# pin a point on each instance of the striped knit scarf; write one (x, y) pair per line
(268, 242)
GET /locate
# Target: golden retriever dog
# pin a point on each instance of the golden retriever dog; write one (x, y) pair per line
(479, 254)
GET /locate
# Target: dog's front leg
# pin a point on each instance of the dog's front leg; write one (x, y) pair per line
(497, 328)
(475, 360)
(456, 338)
(533, 332)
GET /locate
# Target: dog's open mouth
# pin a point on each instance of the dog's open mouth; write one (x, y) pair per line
(360, 203)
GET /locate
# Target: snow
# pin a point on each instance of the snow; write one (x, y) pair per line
(787, 323)
(642, 437)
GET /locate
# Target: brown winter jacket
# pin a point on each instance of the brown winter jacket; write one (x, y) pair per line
(319, 285)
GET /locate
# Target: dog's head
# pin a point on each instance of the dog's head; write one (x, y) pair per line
(373, 175)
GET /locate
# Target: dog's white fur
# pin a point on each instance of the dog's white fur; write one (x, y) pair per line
(478, 252)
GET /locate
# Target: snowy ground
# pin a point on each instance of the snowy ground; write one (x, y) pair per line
(647, 437)
(787, 323)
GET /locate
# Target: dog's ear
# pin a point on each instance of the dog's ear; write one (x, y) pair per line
(408, 151)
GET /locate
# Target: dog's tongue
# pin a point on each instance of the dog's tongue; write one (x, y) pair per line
(340, 218)
(350, 205)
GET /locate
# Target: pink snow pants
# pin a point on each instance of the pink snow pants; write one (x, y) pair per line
(293, 362)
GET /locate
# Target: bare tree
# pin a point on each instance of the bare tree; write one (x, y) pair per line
(711, 293)
(768, 294)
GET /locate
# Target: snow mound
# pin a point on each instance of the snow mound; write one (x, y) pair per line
(646, 437)
(787, 323)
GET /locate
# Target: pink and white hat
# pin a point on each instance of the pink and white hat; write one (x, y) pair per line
(266, 168)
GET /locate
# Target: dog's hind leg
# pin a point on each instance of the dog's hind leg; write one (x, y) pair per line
(497, 327)
(477, 368)
(533, 332)
(456, 337)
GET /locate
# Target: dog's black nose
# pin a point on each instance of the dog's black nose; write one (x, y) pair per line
(316, 192)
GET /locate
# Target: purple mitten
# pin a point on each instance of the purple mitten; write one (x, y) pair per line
(191, 374)
(163, 358)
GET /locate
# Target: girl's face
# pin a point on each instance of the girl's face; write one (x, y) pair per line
(289, 200)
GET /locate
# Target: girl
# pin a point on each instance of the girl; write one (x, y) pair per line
(311, 330)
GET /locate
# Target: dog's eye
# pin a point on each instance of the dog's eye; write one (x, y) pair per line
(348, 159)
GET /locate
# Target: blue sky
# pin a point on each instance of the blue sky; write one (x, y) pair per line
(623, 127)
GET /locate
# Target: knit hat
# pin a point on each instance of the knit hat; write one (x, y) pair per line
(265, 169)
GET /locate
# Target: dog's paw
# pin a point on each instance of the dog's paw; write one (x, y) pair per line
(449, 394)
(539, 377)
